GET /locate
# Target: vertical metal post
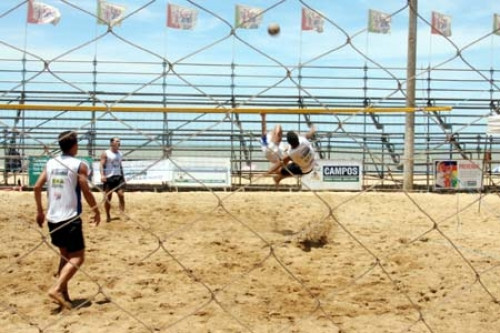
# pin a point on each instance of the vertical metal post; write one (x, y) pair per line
(410, 97)
(166, 135)
(93, 126)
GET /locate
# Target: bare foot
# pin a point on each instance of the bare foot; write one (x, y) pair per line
(277, 179)
(66, 296)
(60, 298)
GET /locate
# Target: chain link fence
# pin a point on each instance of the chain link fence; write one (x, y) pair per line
(174, 93)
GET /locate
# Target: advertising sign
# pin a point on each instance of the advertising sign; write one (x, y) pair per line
(142, 171)
(335, 175)
(457, 174)
(181, 171)
(201, 171)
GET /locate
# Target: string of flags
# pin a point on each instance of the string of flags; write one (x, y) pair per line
(246, 17)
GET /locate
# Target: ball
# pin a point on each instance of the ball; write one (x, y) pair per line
(273, 29)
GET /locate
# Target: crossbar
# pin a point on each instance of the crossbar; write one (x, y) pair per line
(119, 108)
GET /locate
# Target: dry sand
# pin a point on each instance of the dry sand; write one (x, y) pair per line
(263, 262)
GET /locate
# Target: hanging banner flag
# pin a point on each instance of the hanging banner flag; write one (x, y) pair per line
(312, 20)
(496, 24)
(40, 13)
(379, 22)
(109, 13)
(179, 17)
(441, 24)
(247, 17)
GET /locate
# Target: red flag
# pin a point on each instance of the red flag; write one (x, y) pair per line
(312, 20)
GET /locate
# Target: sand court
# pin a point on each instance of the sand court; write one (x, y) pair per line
(262, 262)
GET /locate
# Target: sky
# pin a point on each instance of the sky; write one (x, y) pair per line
(145, 27)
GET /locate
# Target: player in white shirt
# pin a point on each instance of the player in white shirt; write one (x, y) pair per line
(112, 176)
(300, 159)
(66, 178)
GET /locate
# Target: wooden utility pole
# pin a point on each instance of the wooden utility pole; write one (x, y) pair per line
(410, 97)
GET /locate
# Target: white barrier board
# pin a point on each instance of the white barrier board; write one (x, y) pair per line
(201, 171)
(335, 175)
(181, 171)
(141, 172)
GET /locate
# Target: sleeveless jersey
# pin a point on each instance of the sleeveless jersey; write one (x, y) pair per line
(303, 155)
(113, 164)
(63, 189)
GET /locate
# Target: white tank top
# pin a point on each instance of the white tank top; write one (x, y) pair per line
(63, 189)
(113, 164)
(303, 155)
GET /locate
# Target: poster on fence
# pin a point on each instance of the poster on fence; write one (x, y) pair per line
(181, 171)
(335, 175)
(36, 164)
(457, 174)
(201, 172)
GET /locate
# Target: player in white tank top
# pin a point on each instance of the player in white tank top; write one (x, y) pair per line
(112, 176)
(67, 180)
(113, 164)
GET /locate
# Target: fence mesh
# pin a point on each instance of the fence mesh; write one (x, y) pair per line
(235, 261)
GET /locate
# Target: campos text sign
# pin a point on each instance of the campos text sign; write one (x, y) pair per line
(335, 175)
(457, 174)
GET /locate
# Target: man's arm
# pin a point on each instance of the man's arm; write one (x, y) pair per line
(121, 170)
(37, 190)
(263, 124)
(312, 131)
(102, 166)
(87, 194)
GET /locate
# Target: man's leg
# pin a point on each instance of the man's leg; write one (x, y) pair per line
(121, 199)
(107, 205)
(74, 261)
(62, 262)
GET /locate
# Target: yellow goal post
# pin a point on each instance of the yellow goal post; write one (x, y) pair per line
(122, 108)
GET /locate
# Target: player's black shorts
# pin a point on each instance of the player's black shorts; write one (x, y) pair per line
(114, 183)
(291, 168)
(68, 235)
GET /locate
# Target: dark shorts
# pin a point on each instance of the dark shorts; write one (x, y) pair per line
(291, 168)
(67, 235)
(114, 183)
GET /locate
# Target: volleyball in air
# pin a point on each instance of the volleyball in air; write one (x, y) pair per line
(273, 29)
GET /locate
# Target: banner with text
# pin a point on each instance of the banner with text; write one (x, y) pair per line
(335, 175)
(457, 174)
(181, 171)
